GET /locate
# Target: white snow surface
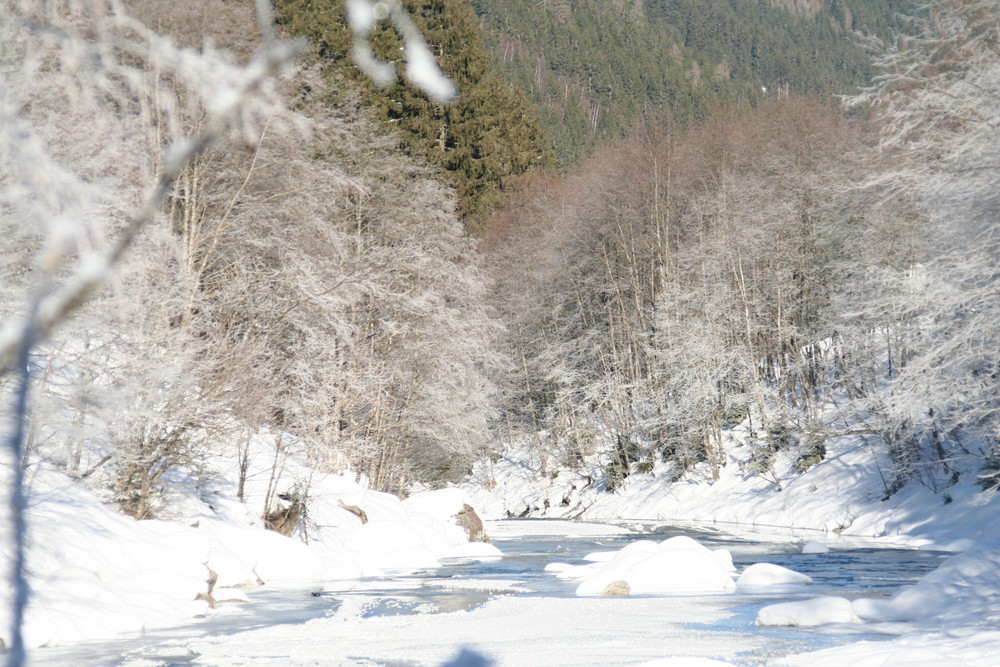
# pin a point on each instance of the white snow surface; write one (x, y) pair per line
(678, 565)
(94, 573)
(950, 617)
(835, 502)
(809, 613)
(768, 575)
(505, 630)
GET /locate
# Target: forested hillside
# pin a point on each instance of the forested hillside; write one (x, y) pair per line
(305, 276)
(791, 268)
(805, 269)
(592, 67)
(242, 287)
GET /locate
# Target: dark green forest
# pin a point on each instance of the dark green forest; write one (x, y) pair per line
(593, 67)
(544, 83)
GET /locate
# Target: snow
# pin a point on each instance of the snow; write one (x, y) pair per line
(948, 617)
(489, 585)
(766, 575)
(679, 565)
(809, 613)
(815, 548)
(96, 574)
(934, 649)
(837, 501)
(549, 631)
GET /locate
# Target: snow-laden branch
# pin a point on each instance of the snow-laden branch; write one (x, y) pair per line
(224, 112)
(421, 68)
(98, 55)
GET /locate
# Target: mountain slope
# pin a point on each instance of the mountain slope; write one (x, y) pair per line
(593, 67)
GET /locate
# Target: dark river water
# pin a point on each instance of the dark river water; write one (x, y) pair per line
(848, 572)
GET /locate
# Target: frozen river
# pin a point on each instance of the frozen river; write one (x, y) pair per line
(516, 613)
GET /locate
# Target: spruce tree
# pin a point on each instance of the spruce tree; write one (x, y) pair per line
(489, 135)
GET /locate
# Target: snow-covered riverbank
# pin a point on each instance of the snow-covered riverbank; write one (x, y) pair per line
(533, 617)
(948, 617)
(94, 573)
(97, 574)
(844, 495)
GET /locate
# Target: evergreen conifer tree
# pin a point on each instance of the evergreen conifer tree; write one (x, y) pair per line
(489, 135)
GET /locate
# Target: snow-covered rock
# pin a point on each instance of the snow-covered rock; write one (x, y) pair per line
(815, 548)
(678, 565)
(766, 575)
(809, 613)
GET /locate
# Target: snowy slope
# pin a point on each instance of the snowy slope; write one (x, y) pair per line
(843, 496)
(95, 573)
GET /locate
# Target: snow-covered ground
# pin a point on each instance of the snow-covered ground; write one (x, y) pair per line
(94, 573)
(842, 496)
(675, 626)
(949, 617)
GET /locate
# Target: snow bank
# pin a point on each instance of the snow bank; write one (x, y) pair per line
(949, 617)
(95, 573)
(767, 575)
(968, 648)
(843, 496)
(963, 591)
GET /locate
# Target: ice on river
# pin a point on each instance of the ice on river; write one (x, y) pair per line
(507, 630)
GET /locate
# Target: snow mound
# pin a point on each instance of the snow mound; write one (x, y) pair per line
(964, 590)
(809, 613)
(766, 575)
(815, 548)
(678, 565)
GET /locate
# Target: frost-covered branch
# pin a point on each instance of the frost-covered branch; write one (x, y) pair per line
(421, 68)
(101, 61)
(225, 111)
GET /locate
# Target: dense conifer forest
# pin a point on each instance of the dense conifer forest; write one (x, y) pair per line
(593, 67)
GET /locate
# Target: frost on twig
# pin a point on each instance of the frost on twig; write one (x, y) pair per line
(99, 70)
(421, 68)
(86, 92)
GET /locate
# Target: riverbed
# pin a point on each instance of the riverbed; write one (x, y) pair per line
(514, 612)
